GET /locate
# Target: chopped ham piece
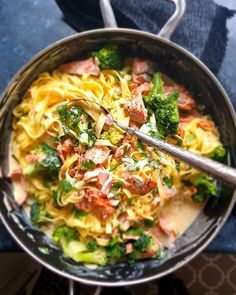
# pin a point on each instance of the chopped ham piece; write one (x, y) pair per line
(139, 185)
(105, 182)
(165, 225)
(144, 88)
(128, 248)
(185, 99)
(137, 111)
(109, 120)
(81, 67)
(64, 149)
(92, 175)
(97, 154)
(142, 65)
(120, 151)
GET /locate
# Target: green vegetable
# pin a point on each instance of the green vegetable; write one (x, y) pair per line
(205, 189)
(64, 234)
(68, 239)
(134, 231)
(87, 164)
(218, 153)
(47, 164)
(79, 213)
(91, 245)
(109, 57)
(117, 185)
(64, 188)
(117, 251)
(132, 257)
(149, 223)
(96, 257)
(143, 243)
(140, 146)
(38, 213)
(165, 106)
(76, 119)
(168, 181)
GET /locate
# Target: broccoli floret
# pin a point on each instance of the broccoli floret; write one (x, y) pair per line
(143, 243)
(116, 251)
(91, 245)
(38, 213)
(97, 257)
(68, 237)
(205, 189)
(109, 57)
(76, 119)
(47, 163)
(64, 234)
(165, 107)
(218, 153)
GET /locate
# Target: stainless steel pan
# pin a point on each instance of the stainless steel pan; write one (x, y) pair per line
(180, 65)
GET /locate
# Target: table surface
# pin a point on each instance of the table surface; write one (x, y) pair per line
(27, 26)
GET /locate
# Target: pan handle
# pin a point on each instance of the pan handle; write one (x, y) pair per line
(167, 30)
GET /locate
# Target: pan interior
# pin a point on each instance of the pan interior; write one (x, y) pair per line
(179, 66)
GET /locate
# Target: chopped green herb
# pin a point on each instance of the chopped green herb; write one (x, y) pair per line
(140, 146)
(168, 181)
(87, 164)
(78, 213)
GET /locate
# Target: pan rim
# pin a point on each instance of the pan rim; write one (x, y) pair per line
(233, 116)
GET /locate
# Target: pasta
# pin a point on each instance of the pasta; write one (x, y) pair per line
(103, 191)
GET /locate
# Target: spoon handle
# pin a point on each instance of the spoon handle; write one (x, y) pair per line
(219, 171)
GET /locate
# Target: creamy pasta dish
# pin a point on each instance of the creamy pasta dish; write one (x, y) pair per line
(102, 195)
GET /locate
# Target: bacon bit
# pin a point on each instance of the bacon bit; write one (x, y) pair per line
(120, 151)
(64, 149)
(81, 67)
(185, 100)
(97, 154)
(140, 186)
(142, 65)
(189, 116)
(181, 131)
(16, 174)
(144, 88)
(142, 69)
(133, 86)
(137, 111)
(100, 205)
(109, 120)
(128, 248)
(207, 125)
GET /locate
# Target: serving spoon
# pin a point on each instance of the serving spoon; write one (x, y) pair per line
(217, 170)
